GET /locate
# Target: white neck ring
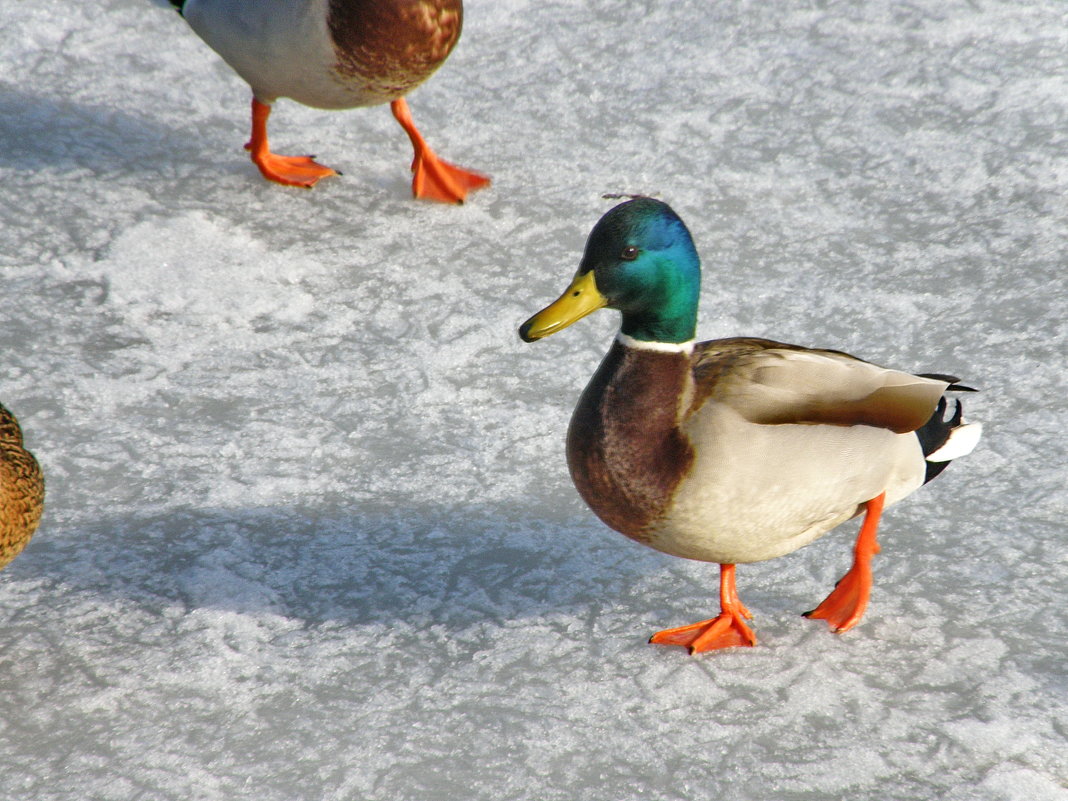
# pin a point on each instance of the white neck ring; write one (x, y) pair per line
(659, 347)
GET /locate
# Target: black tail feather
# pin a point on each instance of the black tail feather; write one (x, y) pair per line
(936, 431)
(952, 380)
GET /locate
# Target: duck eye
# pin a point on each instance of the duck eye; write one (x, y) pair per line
(630, 253)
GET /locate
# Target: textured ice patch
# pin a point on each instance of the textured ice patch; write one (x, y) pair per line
(310, 531)
(195, 270)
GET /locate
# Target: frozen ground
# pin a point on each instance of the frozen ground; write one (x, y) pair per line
(310, 534)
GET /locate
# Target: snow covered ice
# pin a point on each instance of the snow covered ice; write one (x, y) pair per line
(309, 531)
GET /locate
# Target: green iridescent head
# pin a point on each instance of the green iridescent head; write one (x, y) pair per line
(639, 259)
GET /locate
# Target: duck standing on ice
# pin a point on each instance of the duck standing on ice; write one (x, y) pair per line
(741, 449)
(336, 54)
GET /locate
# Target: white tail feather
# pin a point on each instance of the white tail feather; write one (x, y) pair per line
(962, 440)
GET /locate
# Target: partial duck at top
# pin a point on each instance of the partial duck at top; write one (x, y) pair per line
(734, 450)
(336, 54)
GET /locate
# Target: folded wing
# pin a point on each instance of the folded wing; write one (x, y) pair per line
(773, 383)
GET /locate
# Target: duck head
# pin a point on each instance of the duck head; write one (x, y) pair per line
(640, 260)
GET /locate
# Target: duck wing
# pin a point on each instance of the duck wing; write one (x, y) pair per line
(774, 383)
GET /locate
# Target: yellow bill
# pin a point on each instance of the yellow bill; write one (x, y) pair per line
(580, 298)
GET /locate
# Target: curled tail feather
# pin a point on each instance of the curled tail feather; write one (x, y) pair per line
(943, 440)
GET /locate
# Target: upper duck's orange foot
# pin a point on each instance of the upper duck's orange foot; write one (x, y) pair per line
(436, 179)
(727, 630)
(291, 170)
(288, 170)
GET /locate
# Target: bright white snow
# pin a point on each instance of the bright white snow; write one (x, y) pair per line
(310, 533)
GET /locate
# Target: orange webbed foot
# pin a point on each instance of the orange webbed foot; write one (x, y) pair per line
(845, 606)
(434, 178)
(301, 171)
(289, 170)
(726, 630)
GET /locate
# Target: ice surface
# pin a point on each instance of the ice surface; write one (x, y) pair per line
(310, 534)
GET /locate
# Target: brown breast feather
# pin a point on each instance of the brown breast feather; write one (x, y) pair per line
(393, 45)
(21, 490)
(624, 447)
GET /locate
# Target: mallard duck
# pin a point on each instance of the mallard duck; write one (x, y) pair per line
(336, 54)
(21, 490)
(734, 450)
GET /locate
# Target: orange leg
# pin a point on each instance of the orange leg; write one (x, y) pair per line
(726, 630)
(845, 606)
(288, 170)
(434, 178)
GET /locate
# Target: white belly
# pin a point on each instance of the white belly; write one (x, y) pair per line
(760, 491)
(282, 48)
